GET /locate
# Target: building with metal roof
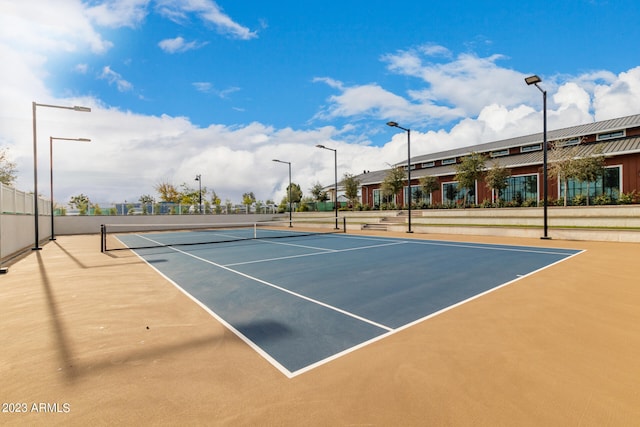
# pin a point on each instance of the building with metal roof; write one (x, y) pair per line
(618, 140)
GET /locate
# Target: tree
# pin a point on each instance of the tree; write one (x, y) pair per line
(562, 165)
(351, 185)
(7, 168)
(318, 193)
(296, 193)
(588, 169)
(191, 196)
(468, 171)
(248, 199)
(168, 192)
(393, 182)
(145, 200)
(215, 200)
(496, 179)
(428, 184)
(80, 202)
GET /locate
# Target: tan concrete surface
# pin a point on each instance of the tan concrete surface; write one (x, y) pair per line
(102, 339)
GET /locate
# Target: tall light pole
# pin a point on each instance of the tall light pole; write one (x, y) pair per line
(335, 163)
(51, 139)
(395, 125)
(35, 162)
(290, 209)
(534, 80)
(199, 179)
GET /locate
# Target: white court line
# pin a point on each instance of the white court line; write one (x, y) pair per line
(390, 331)
(427, 317)
(485, 246)
(324, 252)
(264, 282)
(496, 248)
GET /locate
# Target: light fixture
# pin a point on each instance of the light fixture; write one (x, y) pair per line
(534, 80)
(395, 125)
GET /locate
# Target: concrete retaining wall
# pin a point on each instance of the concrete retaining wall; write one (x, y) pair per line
(597, 223)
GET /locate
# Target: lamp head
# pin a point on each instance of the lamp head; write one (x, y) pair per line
(83, 109)
(531, 80)
(392, 124)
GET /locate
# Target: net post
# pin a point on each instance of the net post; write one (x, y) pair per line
(102, 238)
(344, 224)
(255, 230)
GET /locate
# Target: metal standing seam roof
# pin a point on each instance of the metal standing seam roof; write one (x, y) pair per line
(537, 138)
(609, 148)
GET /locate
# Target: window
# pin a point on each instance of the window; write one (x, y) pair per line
(417, 195)
(529, 148)
(379, 199)
(453, 195)
(451, 161)
(376, 198)
(610, 135)
(520, 189)
(568, 142)
(428, 164)
(606, 185)
(500, 153)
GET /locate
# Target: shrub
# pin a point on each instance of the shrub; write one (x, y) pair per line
(629, 198)
(579, 200)
(602, 199)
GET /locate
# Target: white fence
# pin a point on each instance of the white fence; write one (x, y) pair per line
(13, 201)
(17, 227)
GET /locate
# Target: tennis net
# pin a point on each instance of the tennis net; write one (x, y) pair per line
(145, 236)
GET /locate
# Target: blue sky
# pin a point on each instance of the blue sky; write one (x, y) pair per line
(185, 87)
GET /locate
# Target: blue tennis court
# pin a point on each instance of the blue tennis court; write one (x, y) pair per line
(301, 302)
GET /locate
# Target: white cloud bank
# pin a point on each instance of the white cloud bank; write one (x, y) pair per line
(469, 98)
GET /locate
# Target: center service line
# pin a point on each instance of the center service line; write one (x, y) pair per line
(324, 252)
(264, 282)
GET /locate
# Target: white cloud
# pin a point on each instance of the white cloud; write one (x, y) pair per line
(178, 45)
(81, 68)
(129, 159)
(119, 13)
(336, 84)
(366, 101)
(207, 87)
(59, 27)
(115, 78)
(204, 87)
(478, 99)
(467, 82)
(620, 98)
(207, 10)
(435, 50)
